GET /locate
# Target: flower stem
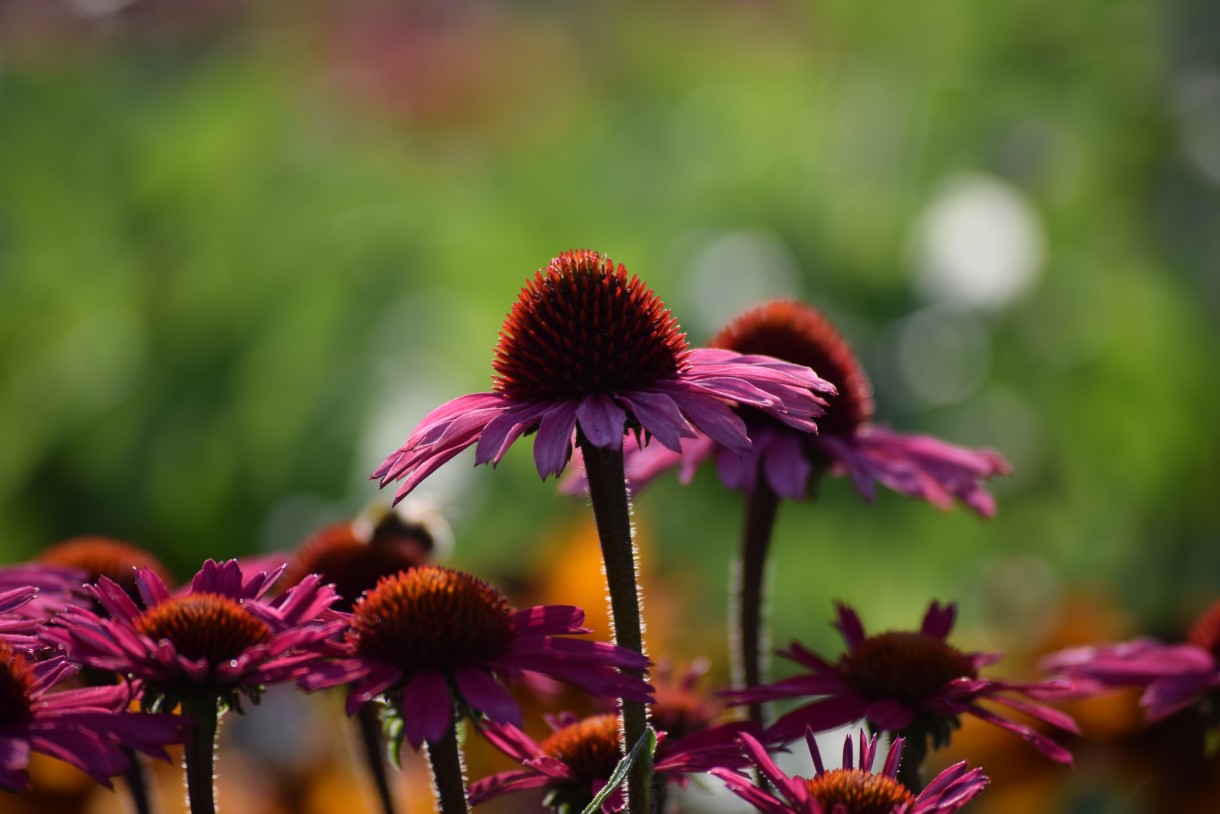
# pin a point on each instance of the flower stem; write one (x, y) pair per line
(200, 753)
(612, 513)
(137, 782)
(373, 744)
(910, 768)
(751, 637)
(448, 778)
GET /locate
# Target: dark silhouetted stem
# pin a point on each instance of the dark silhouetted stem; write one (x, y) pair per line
(373, 744)
(448, 780)
(612, 512)
(910, 768)
(200, 754)
(751, 637)
(137, 783)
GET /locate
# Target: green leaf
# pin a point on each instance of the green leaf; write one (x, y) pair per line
(649, 741)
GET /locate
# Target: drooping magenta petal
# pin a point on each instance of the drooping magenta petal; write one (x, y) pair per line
(549, 620)
(602, 421)
(820, 716)
(752, 794)
(785, 465)
(1036, 739)
(427, 708)
(494, 785)
(507, 427)
(659, 415)
(553, 441)
(1171, 694)
(889, 715)
(714, 418)
(484, 693)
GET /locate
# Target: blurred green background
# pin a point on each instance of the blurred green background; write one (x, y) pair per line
(245, 247)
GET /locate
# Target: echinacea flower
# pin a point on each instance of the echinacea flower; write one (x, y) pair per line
(98, 557)
(853, 789)
(425, 635)
(588, 352)
(354, 555)
(1175, 676)
(89, 728)
(788, 459)
(218, 638)
(910, 682)
(576, 761)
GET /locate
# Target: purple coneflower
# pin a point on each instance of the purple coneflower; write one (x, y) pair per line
(1175, 676)
(788, 459)
(586, 355)
(576, 761)
(99, 557)
(89, 728)
(586, 347)
(422, 635)
(853, 789)
(203, 648)
(910, 682)
(435, 642)
(355, 555)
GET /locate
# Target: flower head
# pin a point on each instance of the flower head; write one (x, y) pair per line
(576, 760)
(911, 682)
(853, 789)
(422, 636)
(89, 728)
(587, 348)
(1175, 676)
(847, 441)
(99, 557)
(355, 555)
(219, 637)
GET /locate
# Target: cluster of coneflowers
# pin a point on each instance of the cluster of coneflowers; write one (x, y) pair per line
(102, 661)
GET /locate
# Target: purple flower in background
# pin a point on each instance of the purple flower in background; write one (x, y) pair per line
(587, 349)
(853, 789)
(576, 760)
(847, 442)
(1175, 676)
(218, 638)
(89, 728)
(425, 634)
(911, 682)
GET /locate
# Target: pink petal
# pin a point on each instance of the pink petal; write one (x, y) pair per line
(602, 421)
(427, 708)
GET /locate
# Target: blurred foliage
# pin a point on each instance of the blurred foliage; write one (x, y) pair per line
(244, 249)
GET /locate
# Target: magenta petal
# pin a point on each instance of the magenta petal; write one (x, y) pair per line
(547, 620)
(15, 598)
(849, 625)
(715, 419)
(659, 415)
(786, 466)
(502, 431)
(1039, 741)
(938, 621)
(484, 693)
(14, 753)
(553, 442)
(889, 716)
(427, 708)
(602, 421)
(494, 785)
